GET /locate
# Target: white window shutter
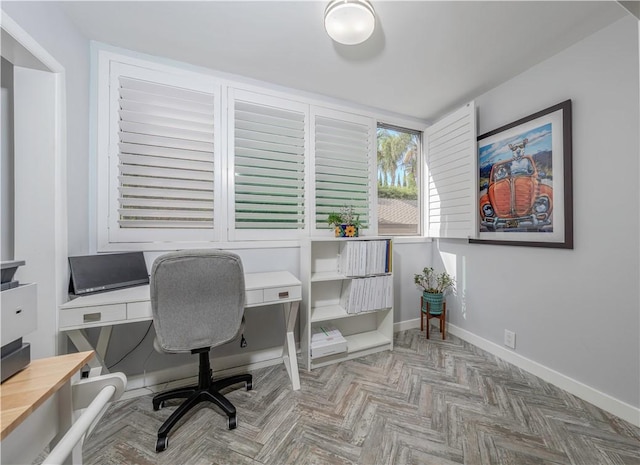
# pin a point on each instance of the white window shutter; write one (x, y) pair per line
(162, 151)
(451, 158)
(344, 146)
(268, 140)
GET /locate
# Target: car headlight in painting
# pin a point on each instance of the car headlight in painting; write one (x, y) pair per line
(487, 210)
(541, 205)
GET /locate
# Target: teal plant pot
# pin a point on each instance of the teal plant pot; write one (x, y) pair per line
(435, 303)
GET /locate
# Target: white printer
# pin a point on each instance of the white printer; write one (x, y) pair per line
(19, 309)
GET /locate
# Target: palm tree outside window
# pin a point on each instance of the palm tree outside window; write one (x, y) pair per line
(398, 180)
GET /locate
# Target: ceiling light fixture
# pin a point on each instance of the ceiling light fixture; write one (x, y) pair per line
(349, 22)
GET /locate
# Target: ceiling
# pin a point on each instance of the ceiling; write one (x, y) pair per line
(424, 58)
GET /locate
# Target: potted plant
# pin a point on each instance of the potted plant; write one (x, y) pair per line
(345, 222)
(434, 286)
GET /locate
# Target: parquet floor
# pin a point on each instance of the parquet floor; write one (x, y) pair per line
(427, 402)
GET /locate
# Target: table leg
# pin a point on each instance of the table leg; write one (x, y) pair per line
(103, 341)
(289, 356)
(79, 339)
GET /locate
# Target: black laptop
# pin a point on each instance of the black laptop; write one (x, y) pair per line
(106, 272)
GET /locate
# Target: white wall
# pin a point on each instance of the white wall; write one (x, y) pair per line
(48, 25)
(574, 311)
(6, 167)
(408, 259)
(36, 197)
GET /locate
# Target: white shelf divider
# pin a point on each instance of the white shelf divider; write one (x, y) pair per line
(329, 312)
(327, 276)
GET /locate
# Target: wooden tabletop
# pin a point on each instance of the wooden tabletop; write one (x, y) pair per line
(25, 391)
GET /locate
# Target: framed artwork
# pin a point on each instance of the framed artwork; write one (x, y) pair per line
(524, 181)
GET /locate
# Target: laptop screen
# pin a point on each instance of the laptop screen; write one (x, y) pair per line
(105, 272)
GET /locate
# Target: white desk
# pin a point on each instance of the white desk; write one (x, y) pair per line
(134, 304)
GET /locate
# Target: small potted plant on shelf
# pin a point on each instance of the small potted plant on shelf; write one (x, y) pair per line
(345, 222)
(434, 286)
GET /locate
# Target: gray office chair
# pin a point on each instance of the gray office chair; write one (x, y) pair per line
(197, 298)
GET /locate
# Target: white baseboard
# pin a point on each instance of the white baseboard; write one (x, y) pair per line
(224, 366)
(407, 324)
(599, 399)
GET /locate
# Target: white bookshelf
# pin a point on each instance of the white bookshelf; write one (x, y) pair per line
(323, 285)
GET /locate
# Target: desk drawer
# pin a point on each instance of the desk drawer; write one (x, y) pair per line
(137, 310)
(282, 293)
(19, 308)
(254, 297)
(92, 316)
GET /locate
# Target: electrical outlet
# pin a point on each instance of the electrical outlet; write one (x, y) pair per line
(509, 339)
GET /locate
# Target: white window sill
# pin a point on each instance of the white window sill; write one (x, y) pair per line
(411, 239)
(287, 244)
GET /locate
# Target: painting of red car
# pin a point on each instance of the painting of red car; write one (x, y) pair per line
(517, 197)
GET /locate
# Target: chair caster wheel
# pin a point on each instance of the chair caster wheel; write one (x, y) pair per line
(162, 444)
(249, 385)
(233, 422)
(158, 406)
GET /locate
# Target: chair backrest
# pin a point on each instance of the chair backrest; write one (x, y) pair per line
(197, 299)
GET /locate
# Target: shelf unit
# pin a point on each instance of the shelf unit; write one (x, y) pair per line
(322, 287)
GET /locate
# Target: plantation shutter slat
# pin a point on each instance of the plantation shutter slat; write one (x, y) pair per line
(163, 213)
(165, 155)
(265, 194)
(258, 154)
(161, 203)
(329, 165)
(134, 159)
(168, 184)
(451, 157)
(269, 160)
(149, 112)
(150, 192)
(267, 199)
(149, 223)
(165, 131)
(165, 173)
(342, 168)
(328, 175)
(169, 142)
(167, 152)
(147, 117)
(263, 163)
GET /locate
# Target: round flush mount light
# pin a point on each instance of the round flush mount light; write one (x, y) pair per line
(349, 22)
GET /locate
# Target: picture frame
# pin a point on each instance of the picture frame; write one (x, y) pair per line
(524, 190)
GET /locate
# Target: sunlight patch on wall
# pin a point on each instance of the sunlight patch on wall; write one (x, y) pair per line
(450, 262)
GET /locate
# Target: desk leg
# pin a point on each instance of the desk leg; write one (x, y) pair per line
(103, 341)
(289, 348)
(79, 339)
